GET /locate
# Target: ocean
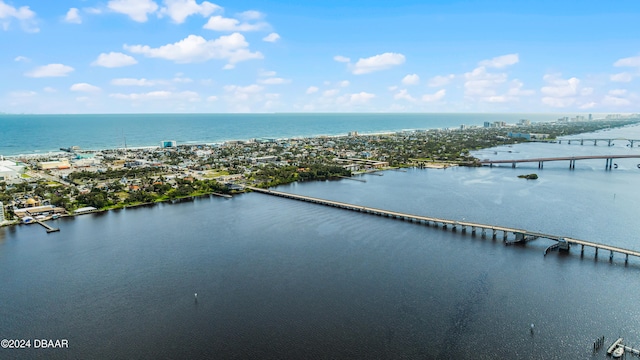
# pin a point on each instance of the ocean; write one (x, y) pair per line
(41, 134)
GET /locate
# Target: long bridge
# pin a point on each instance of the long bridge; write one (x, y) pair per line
(595, 141)
(509, 235)
(572, 160)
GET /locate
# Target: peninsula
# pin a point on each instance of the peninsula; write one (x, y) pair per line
(79, 181)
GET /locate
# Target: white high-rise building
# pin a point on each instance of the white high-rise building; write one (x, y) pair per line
(1, 212)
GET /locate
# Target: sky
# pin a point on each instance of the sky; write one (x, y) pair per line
(249, 56)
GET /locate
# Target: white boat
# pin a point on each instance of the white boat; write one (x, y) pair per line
(618, 352)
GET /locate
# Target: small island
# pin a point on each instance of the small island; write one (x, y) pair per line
(529, 176)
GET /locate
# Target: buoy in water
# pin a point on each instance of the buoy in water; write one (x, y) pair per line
(531, 329)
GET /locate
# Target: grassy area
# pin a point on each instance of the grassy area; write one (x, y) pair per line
(210, 174)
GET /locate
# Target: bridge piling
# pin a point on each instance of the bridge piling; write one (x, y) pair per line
(562, 243)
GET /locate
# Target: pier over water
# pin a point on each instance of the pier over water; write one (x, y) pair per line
(509, 235)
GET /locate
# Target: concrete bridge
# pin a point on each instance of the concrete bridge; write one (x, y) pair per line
(509, 235)
(572, 160)
(595, 141)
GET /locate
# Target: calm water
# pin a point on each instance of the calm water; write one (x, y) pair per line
(278, 278)
(27, 134)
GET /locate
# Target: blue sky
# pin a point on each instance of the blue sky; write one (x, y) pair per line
(166, 56)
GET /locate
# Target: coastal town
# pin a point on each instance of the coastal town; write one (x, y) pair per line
(75, 181)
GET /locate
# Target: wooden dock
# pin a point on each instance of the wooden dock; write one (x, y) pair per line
(47, 227)
(509, 235)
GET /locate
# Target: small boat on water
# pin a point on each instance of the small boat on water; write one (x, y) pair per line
(618, 352)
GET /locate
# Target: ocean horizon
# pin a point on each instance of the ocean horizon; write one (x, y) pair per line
(42, 134)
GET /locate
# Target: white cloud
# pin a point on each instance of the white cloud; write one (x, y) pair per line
(84, 87)
(412, 79)
(249, 89)
(212, 98)
(243, 93)
(51, 70)
(393, 88)
(49, 89)
(515, 89)
(179, 10)
(265, 73)
(377, 63)
(561, 92)
(618, 92)
(622, 77)
(158, 95)
(193, 48)
(628, 62)
(114, 60)
(360, 98)
(404, 94)
(500, 61)
(22, 94)
(73, 16)
(481, 83)
(344, 83)
(439, 81)
(559, 87)
(588, 105)
(251, 15)
(21, 59)
(586, 91)
(219, 23)
(312, 89)
(340, 58)
(330, 93)
(137, 10)
(181, 79)
(613, 100)
(273, 37)
(24, 15)
(558, 102)
(136, 82)
(274, 81)
(437, 96)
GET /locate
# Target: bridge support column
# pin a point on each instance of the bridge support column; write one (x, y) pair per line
(483, 234)
(569, 142)
(631, 141)
(513, 165)
(504, 236)
(595, 142)
(582, 250)
(454, 228)
(626, 258)
(540, 164)
(473, 231)
(494, 234)
(581, 141)
(596, 252)
(611, 256)
(464, 229)
(609, 142)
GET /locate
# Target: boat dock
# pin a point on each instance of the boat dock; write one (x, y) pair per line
(617, 349)
(49, 228)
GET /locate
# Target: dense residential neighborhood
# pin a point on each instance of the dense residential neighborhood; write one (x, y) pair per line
(76, 180)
